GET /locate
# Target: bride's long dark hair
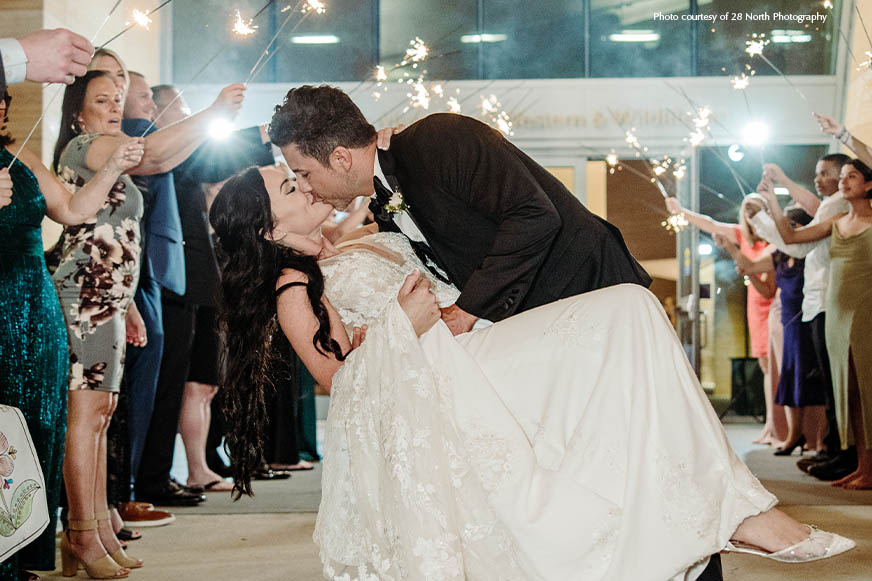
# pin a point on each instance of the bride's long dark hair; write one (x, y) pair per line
(251, 263)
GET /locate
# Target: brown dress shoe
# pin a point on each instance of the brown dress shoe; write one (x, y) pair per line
(143, 514)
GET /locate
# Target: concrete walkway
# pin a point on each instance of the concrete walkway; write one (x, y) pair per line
(270, 536)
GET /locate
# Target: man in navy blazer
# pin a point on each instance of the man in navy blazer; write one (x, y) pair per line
(162, 267)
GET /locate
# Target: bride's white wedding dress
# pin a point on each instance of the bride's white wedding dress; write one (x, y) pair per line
(569, 442)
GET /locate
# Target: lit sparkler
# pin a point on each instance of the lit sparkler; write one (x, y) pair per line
(675, 223)
(243, 28)
(453, 105)
(631, 139)
(866, 63)
(420, 97)
(828, 4)
(141, 18)
(417, 52)
(741, 82)
(755, 46)
(315, 6)
(612, 159)
(703, 118)
(380, 74)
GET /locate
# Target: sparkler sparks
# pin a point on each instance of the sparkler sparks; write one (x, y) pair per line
(866, 63)
(675, 223)
(741, 82)
(315, 6)
(612, 159)
(453, 105)
(243, 28)
(828, 4)
(755, 46)
(492, 109)
(631, 139)
(420, 98)
(417, 52)
(380, 74)
(141, 18)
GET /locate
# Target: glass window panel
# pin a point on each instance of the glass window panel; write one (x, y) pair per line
(201, 29)
(626, 40)
(796, 49)
(440, 24)
(523, 43)
(335, 46)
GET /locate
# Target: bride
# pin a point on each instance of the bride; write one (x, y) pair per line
(571, 441)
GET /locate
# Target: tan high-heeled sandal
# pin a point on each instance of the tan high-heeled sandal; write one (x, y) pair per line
(103, 568)
(120, 556)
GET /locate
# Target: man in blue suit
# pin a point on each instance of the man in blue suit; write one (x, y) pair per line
(163, 267)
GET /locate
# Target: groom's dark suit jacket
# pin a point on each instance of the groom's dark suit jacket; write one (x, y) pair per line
(504, 229)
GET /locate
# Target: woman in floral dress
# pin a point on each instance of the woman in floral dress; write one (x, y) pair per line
(95, 281)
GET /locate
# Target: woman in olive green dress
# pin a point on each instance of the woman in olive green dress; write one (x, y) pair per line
(33, 336)
(849, 323)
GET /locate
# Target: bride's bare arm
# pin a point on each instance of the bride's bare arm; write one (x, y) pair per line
(299, 324)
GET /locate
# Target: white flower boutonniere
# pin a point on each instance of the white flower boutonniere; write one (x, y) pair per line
(396, 204)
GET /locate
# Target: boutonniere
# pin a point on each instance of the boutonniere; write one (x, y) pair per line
(396, 204)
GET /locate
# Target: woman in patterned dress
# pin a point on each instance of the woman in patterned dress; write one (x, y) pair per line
(95, 280)
(32, 331)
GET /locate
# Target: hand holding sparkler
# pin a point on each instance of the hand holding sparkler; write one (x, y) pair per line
(674, 206)
(56, 56)
(832, 127)
(772, 173)
(229, 102)
(127, 155)
(5, 187)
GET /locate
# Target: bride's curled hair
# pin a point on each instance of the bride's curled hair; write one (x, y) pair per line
(251, 263)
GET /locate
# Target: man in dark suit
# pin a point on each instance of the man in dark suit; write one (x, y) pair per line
(504, 230)
(478, 210)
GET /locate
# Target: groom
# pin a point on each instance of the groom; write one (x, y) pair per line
(477, 210)
(483, 214)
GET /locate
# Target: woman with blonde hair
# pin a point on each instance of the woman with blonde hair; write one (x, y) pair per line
(761, 291)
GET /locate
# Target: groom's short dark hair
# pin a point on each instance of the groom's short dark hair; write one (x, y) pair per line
(318, 120)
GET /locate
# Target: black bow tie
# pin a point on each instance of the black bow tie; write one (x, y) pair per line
(379, 201)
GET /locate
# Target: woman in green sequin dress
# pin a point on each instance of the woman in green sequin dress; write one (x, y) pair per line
(33, 336)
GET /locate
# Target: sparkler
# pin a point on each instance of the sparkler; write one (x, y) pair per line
(491, 108)
(453, 105)
(675, 223)
(309, 6)
(315, 6)
(741, 82)
(137, 19)
(199, 72)
(243, 28)
(755, 48)
(140, 18)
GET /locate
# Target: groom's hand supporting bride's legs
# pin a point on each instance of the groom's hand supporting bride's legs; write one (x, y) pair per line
(418, 302)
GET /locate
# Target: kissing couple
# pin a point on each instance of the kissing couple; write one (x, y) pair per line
(508, 400)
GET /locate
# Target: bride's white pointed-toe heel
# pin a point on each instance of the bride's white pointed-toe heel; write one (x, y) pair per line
(819, 545)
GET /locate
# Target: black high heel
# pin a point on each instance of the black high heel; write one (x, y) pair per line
(788, 450)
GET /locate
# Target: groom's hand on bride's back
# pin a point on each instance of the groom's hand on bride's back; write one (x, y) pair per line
(418, 302)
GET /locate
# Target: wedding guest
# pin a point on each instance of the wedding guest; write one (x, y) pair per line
(190, 358)
(831, 463)
(800, 390)
(849, 300)
(109, 61)
(32, 330)
(752, 246)
(95, 281)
